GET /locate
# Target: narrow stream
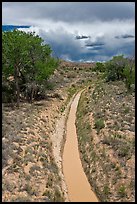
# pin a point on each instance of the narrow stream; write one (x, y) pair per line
(79, 189)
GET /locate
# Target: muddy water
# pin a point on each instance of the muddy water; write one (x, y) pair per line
(79, 189)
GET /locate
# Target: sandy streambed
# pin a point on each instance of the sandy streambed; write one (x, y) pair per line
(57, 138)
(77, 184)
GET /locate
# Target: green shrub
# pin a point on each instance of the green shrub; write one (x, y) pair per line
(99, 67)
(99, 124)
(129, 76)
(115, 68)
(122, 191)
(123, 151)
(120, 68)
(126, 110)
(106, 190)
(72, 90)
(30, 190)
(62, 109)
(57, 196)
(50, 86)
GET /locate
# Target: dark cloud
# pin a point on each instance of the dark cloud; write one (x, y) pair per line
(78, 37)
(78, 31)
(97, 44)
(69, 11)
(125, 36)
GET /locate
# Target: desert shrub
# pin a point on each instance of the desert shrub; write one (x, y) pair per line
(122, 191)
(48, 194)
(71, 75)
(71, 91)
(50, 181)
(62, 109)
(7, 92)
(126, 110)
(57, 196)
(115, 68)
(124, 151)
(49, 85)
(29, 189)
(21, 199)
(57, 95)
(120, 68)
(99, 124)
(129, 76)
(38, 92)
(106, 190)
(99, 67)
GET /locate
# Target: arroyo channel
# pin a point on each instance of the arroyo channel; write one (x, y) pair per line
(79, 189)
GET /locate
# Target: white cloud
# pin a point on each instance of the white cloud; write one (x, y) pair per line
(61, 37)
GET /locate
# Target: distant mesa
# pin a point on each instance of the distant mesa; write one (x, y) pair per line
(124, 36)
(12, 27)
(78, 37)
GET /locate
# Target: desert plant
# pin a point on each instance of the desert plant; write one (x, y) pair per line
(115, 68)
(129, 76)
(57, 196)
(106, 190)
(126, 110)
(21, 199)
(99, 124)
(122, 191)
(99, 67)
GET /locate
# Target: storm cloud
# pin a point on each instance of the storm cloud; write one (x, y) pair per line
(68, 11)
(78, 31)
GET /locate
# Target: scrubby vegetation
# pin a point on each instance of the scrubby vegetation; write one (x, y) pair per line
(106, 136)
(118, 68)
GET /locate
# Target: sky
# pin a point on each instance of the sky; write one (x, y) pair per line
(78, 31)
